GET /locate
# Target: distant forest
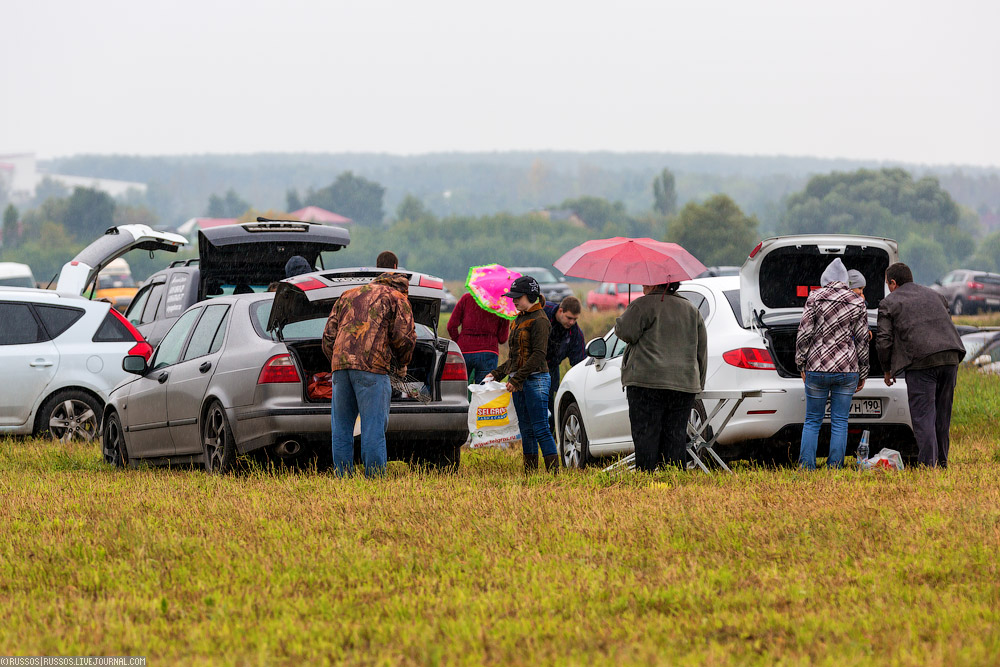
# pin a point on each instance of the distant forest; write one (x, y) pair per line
(479, 184)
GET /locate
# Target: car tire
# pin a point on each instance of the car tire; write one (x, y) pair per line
(70, 415)
(621, 308)
(594, 309)
(217, 440)
(113, 442)
(574, 447)
(958, 306)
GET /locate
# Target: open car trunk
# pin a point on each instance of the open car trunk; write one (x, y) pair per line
(781, 343)
(423, 373)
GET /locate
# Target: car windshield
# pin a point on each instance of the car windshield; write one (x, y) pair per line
(114, 281)
(536, 272)
(306, 329)
(23, 281)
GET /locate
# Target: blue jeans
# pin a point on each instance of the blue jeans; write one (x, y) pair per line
(478, 364)
(367, 394)
(839, 388)
(532, 406)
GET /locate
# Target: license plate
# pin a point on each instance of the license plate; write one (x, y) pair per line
(863, 407)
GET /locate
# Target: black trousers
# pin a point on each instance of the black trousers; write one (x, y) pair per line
(930, 391)
(659, 420)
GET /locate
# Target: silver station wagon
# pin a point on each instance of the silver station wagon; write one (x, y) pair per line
(246, 373)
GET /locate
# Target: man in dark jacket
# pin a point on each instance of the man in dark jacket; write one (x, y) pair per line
(916, 335)
(370, 334)
(565, 342)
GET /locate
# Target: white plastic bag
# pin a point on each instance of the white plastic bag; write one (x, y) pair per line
(887, 459)
(492, 420)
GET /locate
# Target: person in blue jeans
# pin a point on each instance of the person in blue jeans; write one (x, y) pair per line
(528, 372)
(831, 352)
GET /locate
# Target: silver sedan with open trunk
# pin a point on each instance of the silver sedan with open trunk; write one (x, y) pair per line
(241, 374)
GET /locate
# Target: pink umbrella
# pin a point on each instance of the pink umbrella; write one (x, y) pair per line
(487, 285)
(633, 261)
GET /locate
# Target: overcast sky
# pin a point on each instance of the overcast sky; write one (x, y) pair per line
(896, 80)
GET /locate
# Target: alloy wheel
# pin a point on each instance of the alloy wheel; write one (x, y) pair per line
(73, 419)
(572, 442)
(215, 438)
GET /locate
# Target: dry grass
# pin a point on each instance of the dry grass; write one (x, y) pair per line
(487, 566)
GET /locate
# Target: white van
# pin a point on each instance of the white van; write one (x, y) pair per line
(13, 274)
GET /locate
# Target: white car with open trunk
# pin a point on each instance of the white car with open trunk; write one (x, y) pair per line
(752, 322)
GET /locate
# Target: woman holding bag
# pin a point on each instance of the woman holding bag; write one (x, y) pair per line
(528, 372)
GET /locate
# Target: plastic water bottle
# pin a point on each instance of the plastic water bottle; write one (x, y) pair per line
(863, 450)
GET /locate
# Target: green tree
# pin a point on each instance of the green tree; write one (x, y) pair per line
(597, 212)
(89, 213)
(887, 202)
(925, 257)
(11, 233)
(52, 247)
(665, 193)
(352, 196)
(987, 255)
(411, 208)
(716, 232)
(292, 200)
(50, 189)
(230, 206)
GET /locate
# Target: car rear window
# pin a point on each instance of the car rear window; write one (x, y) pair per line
(987, 278)
(733, 297)
(112, 330)
(57, 319)
(306, 329)
(787, 275)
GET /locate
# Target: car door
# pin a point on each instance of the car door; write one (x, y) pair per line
(29, 362)
(607, 422)
(146, 409)
(190, 377)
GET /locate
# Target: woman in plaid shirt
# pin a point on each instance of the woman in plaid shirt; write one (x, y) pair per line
(831, 352)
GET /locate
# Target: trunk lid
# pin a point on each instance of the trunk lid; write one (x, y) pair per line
(78, 274)
(780, 272)
(255, 253)
(312, 296)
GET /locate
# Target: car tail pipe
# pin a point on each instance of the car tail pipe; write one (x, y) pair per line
(288, 449)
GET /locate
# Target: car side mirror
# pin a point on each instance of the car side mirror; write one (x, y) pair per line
(135, 364)
(982, 360)
(597, 348)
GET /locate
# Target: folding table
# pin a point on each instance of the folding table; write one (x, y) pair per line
(698, 444)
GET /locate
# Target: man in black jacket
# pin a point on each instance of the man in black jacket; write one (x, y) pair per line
(916, 335)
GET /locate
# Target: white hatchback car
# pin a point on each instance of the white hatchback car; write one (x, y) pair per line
(752, 321)
(61, 356)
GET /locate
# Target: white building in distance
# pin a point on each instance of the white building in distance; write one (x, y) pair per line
(19, 177)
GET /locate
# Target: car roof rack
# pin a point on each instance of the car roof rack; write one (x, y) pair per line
(184, 262)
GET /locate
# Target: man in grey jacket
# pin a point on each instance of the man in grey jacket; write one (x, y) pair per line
(664, 368)
(916, 335)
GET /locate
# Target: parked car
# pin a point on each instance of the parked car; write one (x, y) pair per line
(232, 259)
(448, 301)
(61, 356)
(553, 288)
(15, 274)
(612, 296)
(977, 340)
(115, 284)
(243, 373)
(752, 322)
(715, 271)
(970, 292)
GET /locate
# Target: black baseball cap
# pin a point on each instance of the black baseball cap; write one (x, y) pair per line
(524, 286)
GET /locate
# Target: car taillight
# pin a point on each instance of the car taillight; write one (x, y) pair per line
(975, 285)
(454, 368)
(141, 347)
(430, 281)
(753, 358)
(307, 284)
(279, 368)
(756, 249)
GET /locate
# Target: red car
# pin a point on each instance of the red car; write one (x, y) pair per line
(609, 296)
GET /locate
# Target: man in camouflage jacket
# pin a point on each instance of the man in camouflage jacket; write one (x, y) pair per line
(369, 334)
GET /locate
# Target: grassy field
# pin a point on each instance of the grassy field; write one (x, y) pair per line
(487, 566)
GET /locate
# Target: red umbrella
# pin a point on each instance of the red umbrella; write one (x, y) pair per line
(634, 261)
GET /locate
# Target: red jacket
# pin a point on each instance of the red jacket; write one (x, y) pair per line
(481, 331)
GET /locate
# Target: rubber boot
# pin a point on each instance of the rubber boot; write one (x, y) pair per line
(530, 464)
(552, 463)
